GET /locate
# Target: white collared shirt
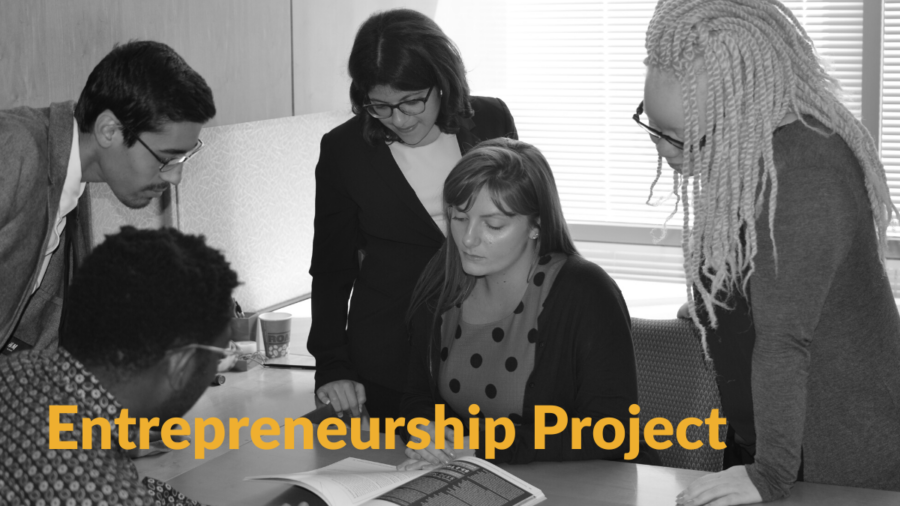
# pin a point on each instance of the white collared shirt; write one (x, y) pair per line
(71, 192)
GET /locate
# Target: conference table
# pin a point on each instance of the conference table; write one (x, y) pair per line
(280, 393)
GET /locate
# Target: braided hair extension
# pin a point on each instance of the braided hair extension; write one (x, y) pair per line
(760, 65)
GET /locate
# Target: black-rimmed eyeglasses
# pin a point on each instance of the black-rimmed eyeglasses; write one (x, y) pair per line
(656, 135)
(171, 163)
(407, 107)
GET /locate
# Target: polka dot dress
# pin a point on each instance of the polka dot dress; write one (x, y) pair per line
(31, 473)
(489, 364)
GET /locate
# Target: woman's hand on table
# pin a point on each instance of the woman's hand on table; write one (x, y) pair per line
(430, 457)
(343, 395)
(725, 488)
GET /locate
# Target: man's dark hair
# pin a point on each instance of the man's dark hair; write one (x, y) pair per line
(407, 51)
(143, 292)
(146, 84)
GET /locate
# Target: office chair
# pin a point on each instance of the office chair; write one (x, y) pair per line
(676, 382)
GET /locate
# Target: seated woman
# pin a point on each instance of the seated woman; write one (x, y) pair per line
(507, 315)
(793, 300)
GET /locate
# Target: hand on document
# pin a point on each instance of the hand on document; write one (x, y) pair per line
(343, 395)
(430, 456)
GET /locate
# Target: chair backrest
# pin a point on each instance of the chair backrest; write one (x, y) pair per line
(676, 382)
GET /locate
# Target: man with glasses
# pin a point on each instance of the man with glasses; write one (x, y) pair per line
(150, 314)
(137, 121)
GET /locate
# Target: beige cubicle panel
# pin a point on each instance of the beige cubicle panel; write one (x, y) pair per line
(251, 192)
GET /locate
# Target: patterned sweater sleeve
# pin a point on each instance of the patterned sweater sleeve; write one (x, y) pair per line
(164, 495)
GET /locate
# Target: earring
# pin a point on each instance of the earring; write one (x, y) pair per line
(534, 235)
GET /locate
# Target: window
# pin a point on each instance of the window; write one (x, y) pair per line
(572, 72)
(890, 118)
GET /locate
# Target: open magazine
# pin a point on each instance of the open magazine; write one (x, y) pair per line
(467, 480)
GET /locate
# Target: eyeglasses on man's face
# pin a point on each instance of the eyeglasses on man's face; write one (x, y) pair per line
(168, 164)
(656, 135)
(407, 107)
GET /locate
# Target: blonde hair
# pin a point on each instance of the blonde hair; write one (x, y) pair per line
(761, 65)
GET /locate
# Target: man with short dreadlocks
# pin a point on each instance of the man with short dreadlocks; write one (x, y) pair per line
(784, 250)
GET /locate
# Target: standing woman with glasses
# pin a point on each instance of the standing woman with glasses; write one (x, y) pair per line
(785, 254)
(379, 212)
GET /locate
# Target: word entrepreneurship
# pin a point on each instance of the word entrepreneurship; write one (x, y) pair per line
(334, 427)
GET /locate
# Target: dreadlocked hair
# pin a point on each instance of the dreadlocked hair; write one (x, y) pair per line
(761, 65)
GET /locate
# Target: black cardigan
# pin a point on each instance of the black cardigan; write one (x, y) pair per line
(363, 202)
(584, 363)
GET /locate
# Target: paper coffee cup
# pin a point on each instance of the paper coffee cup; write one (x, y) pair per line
(276, 331)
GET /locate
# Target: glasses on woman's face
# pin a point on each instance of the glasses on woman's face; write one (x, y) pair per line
(656, 135)
(407, 107)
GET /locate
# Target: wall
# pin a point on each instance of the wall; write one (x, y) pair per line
(263, 59)
(241, 48)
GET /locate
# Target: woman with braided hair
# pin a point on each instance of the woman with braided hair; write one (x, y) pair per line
(783, 251)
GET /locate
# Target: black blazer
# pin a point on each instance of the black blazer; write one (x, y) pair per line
(363, 202)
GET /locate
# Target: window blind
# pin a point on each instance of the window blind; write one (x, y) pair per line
(890, 116)
(572, 74)
(836, 28)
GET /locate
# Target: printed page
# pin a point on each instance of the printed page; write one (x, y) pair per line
(350, 481)
(463, 482)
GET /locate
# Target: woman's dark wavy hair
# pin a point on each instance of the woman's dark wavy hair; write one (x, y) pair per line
(143, 292)
(520, 182)
(407, 51)
(146, 84)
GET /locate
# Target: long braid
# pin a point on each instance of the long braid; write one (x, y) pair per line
(761, 65)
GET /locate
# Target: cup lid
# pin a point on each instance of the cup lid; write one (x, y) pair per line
(275, 316)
